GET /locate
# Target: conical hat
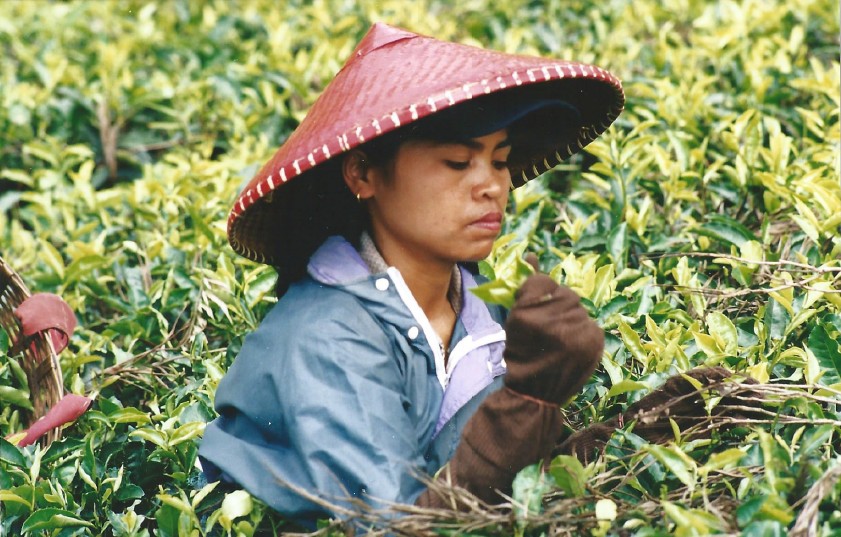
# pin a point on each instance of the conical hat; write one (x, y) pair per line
(392, 79)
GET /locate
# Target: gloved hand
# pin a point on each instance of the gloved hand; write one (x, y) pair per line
(551, 350)
(677, 399)
(552, 346)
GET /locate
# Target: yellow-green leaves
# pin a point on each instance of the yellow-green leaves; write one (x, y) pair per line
(508, 271)
(701, 228)
(721, 340)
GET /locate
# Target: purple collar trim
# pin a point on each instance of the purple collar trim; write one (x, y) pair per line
(337, 262)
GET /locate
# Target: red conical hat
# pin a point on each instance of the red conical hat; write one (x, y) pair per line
(392, 79)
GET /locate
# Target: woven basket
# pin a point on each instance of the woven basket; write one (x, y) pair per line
(39, 359)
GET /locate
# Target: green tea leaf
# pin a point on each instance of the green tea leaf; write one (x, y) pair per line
(827, 351)
(529, 487)
(726, 229)
(11, 454)
(237, 504)
(723, 331)
(569, 475)
(676, 462)
(50, 518)
(15, 396)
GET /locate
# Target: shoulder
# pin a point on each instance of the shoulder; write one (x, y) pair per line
(313, 333)
(308, 299)
(312, 326)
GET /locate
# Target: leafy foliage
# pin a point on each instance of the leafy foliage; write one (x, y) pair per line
(703, 228)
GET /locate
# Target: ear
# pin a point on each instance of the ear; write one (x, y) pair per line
(355, 170)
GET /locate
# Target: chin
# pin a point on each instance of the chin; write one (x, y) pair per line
(477, 254)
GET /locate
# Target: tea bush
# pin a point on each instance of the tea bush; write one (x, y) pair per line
(702, 228)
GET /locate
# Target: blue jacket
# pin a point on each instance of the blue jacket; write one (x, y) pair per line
(340, 391)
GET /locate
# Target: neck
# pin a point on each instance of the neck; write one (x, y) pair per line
(429, 280)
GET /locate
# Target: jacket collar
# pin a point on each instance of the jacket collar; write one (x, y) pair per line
(478, 339)
(337, 263)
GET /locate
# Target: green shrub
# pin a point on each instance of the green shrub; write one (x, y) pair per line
(703, 228)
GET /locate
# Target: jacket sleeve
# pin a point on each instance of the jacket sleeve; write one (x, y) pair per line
(315, 404)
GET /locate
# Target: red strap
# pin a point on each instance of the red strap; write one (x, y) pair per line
(65, 411)
(47, 312)
(535, 400)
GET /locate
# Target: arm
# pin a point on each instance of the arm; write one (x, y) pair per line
(317, 404)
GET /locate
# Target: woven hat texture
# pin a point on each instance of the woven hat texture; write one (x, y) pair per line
(392, 79)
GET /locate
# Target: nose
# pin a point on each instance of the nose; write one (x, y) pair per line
(492, 182)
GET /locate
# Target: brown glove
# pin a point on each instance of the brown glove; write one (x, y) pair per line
(551, 350)
(677, 399)
(552, 346)
(507, 433)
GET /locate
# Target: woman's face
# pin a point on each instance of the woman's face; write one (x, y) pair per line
(440, 202)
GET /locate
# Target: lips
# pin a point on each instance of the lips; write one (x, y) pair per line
(489, 221)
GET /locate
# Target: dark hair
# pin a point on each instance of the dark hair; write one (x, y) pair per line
(315, 207)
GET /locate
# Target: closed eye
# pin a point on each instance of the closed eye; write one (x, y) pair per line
(457, 164)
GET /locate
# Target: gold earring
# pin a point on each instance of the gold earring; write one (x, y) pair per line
(358, 198)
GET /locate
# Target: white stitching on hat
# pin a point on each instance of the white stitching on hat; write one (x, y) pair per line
(560, 71)
(325, 150)
(546, 163)
(241, 206)
(270, 180)
(558, 156)
(545, 72)
(395, 119)
(260, 190)
(376, 125)
(450, 97)
(296, 166)
(485, 85)
(516, 78)
(344, 139)
(283, 174)
(310, 159)
(431, 103)
(466, 90)
(341, 144)
(531, 75)
(414, 111)
(500, 82)
(359, 135)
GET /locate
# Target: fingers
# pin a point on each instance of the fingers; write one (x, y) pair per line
(531, 259)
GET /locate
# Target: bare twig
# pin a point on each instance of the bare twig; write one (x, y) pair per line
(783, 263)
(807, 521)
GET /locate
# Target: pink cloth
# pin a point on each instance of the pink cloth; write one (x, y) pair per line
(46, 312)
(65, 411)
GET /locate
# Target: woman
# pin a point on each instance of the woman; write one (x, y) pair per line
(377, 367)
